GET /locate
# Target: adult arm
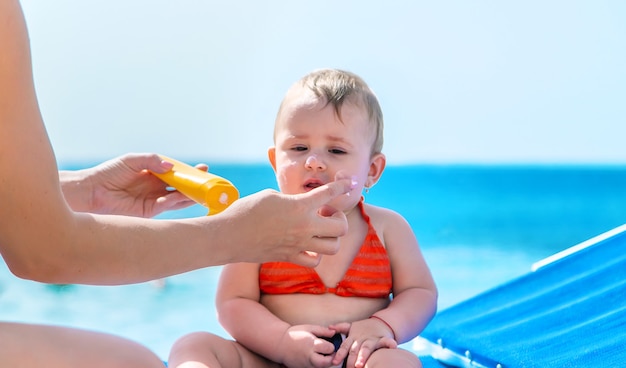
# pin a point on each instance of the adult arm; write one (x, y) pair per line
(42, 238)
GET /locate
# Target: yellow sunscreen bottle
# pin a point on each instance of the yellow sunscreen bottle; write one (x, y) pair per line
(209, 190)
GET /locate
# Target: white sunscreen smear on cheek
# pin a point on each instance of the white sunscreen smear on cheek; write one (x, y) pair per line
(282, 171)
(341, 174)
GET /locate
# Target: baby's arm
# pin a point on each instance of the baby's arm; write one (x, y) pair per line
(414, 300)
(414, 292)
(260, 331)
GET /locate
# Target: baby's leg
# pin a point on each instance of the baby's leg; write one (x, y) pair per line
(206, 350)
(397, 358)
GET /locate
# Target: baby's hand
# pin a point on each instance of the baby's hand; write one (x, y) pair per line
(363, 338)
(308, 346)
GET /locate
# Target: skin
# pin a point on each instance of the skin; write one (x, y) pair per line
(63, 228)
(312, 147)
(122, 186)
(86, 247)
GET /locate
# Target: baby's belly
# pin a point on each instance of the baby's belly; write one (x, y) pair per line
(324, 309)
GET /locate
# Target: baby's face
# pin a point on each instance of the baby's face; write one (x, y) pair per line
(314, 147)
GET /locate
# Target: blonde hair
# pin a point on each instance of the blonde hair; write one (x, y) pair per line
(338, 86)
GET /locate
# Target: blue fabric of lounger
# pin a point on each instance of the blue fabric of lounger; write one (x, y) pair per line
(570, 312)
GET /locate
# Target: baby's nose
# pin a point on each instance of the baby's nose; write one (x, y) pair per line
(314, 163)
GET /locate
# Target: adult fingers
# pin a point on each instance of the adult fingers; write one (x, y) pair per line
(172, 201)
(203, 167)
(325, 239)
(326, 193)
(330, 222)
(153, 162)
(309, 258)
(146, 161)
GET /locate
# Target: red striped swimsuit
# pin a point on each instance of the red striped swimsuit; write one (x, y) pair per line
(369, 274)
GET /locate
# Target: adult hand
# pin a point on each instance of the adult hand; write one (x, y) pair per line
(292, 228)
(123, 186)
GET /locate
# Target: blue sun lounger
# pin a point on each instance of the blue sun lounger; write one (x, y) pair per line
(569, 311)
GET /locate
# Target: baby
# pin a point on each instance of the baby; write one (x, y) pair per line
(374, 294)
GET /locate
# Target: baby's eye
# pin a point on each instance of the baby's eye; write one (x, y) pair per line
(337, 151)
(299, 148)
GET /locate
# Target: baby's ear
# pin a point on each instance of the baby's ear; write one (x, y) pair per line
(377, 166)
(271, 154)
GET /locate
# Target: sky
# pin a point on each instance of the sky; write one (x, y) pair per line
(459, 81)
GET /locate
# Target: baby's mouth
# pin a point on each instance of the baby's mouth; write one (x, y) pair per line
(312, 184)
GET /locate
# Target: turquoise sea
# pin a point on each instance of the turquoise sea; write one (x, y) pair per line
(478, 226)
